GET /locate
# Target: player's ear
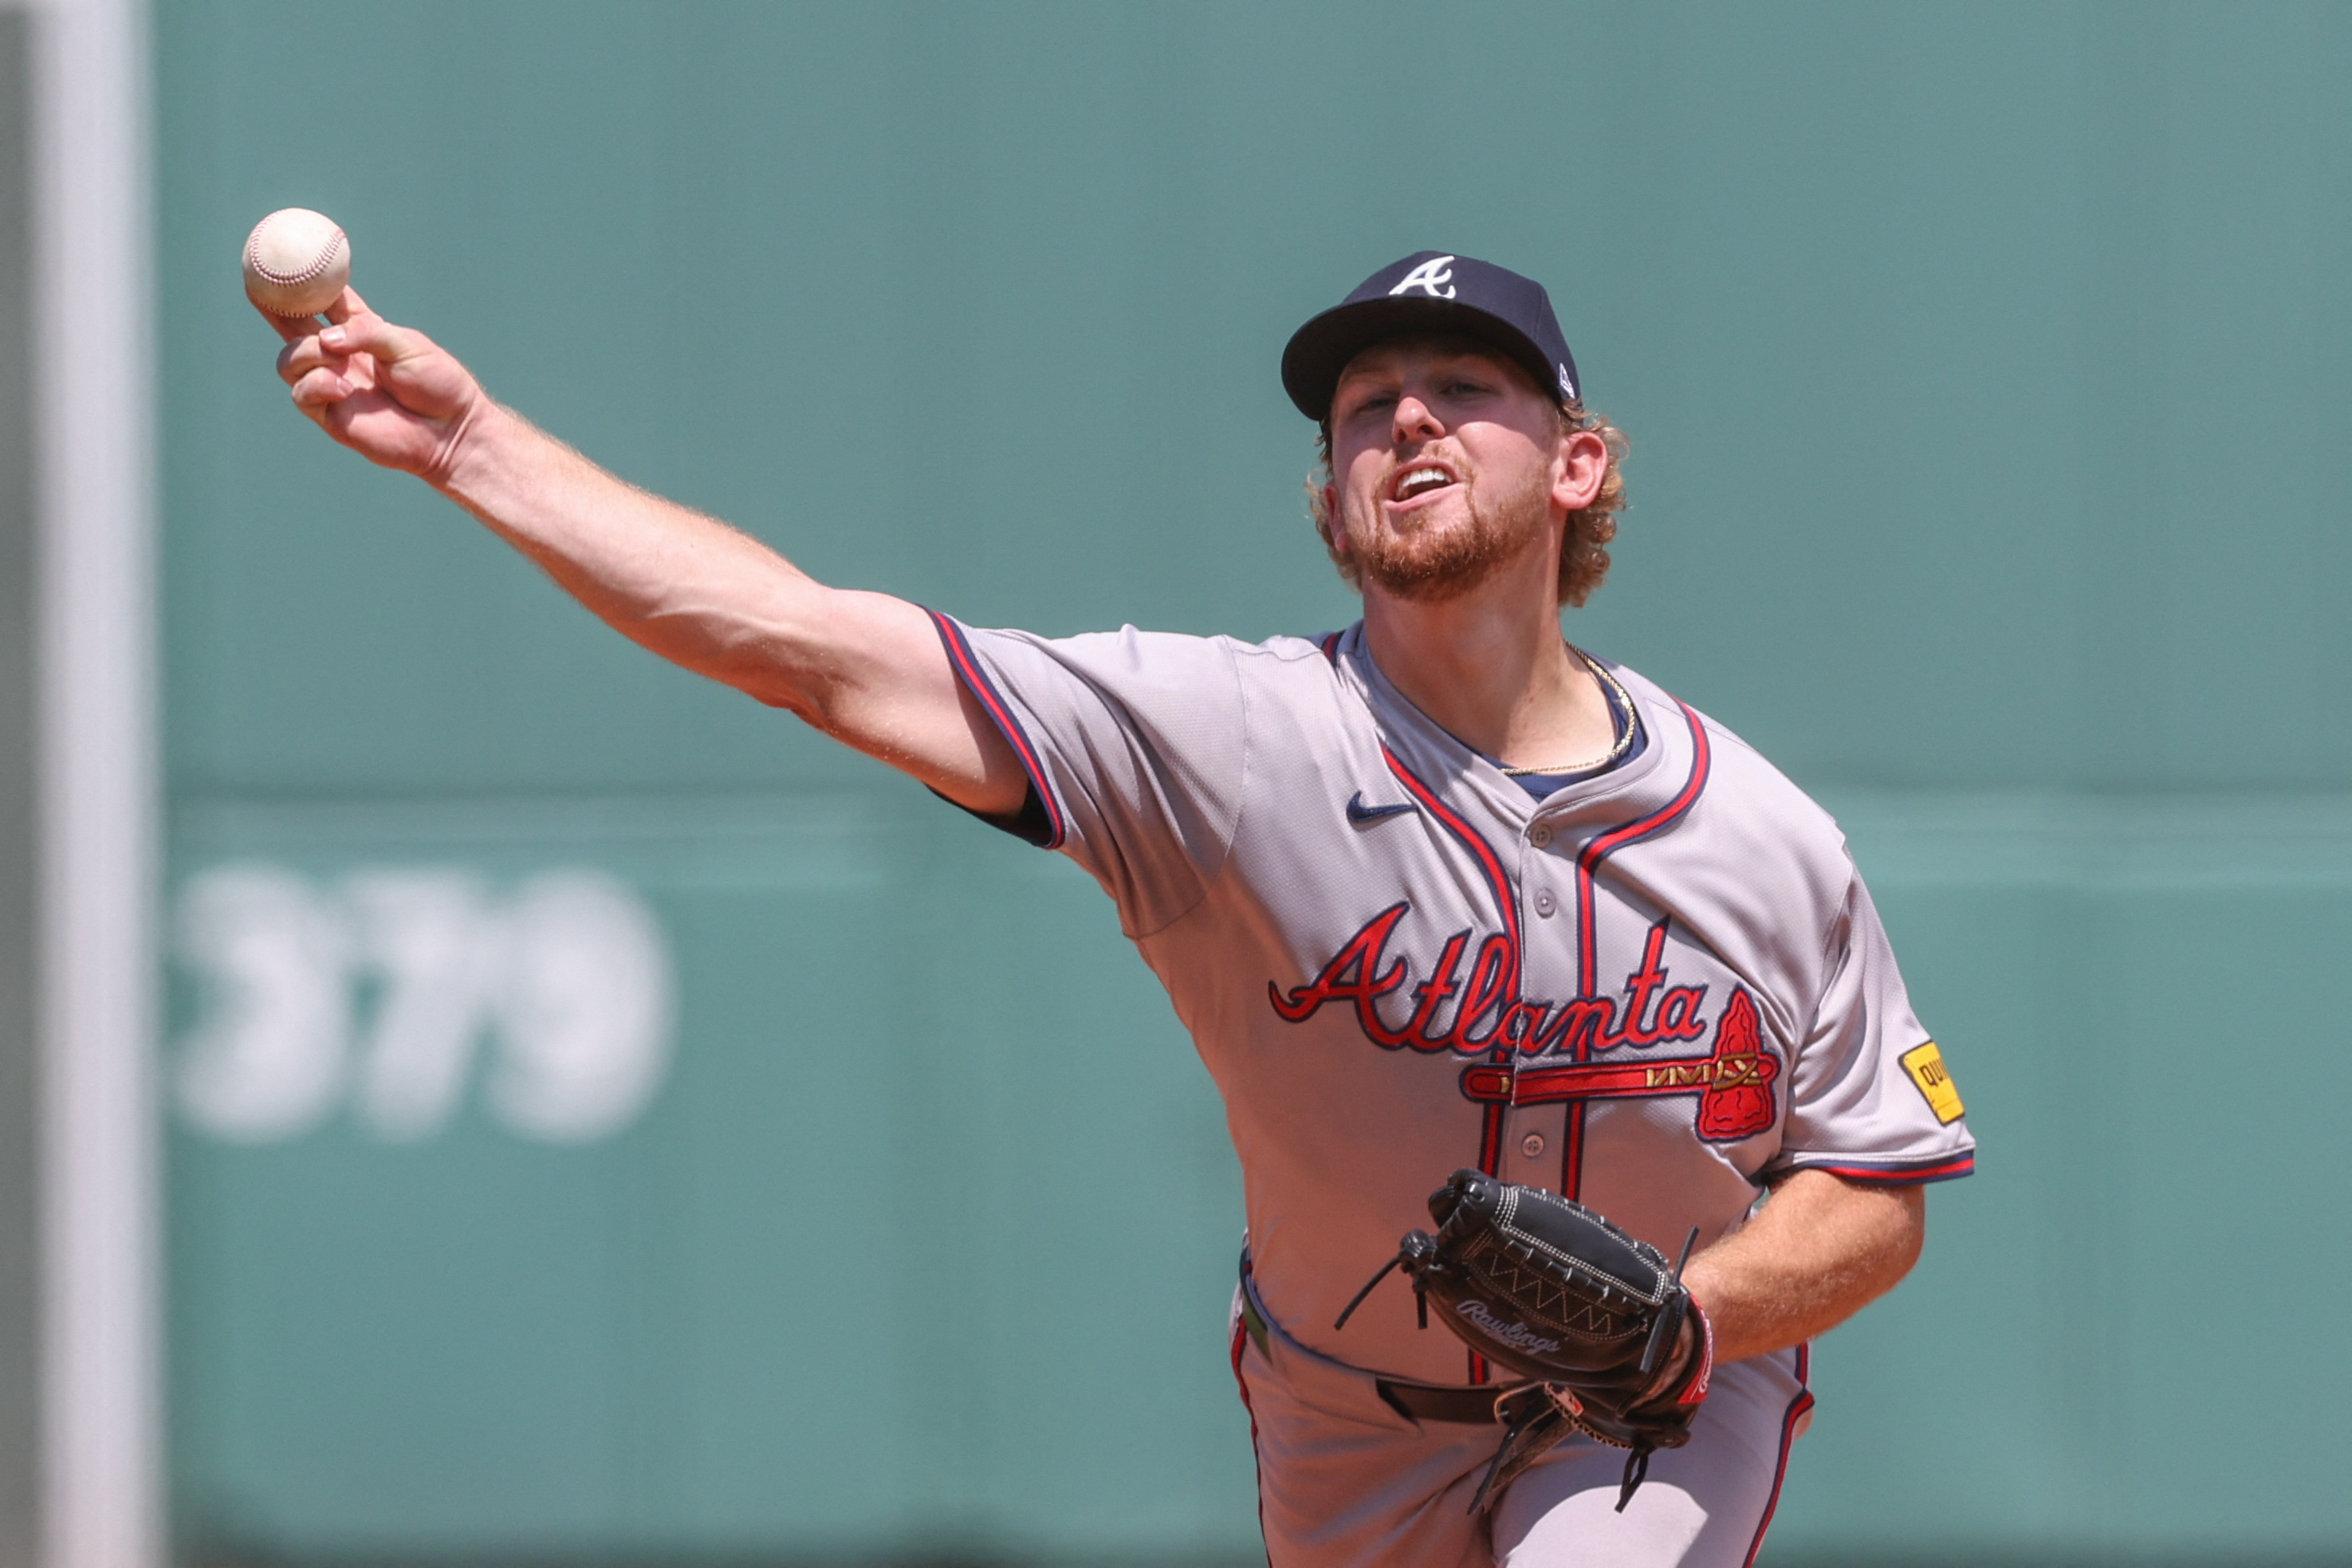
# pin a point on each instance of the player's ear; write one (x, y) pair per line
(1583, 469)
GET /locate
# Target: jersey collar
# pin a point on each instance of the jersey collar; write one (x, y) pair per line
(1641, 785)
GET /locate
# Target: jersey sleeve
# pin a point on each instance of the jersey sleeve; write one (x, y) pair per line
(1136, 745)
(1871, 1099)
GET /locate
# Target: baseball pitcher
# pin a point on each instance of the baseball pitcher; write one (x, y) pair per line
(1573, 1082)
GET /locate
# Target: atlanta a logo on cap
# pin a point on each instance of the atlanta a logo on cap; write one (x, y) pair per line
(1437, 269)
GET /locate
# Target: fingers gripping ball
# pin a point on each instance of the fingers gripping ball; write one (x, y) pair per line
(296, 262)
(1593, 1318)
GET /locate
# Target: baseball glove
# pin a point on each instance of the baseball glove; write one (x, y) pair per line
(1548, 1290)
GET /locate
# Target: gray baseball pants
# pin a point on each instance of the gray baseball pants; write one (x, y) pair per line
(1347, 1481)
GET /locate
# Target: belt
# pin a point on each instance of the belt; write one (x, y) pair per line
(1420, 1402)
(1414, 1401)
(1251, 1321)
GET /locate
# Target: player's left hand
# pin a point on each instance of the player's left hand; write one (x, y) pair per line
(1613, 1342)
(388, 392)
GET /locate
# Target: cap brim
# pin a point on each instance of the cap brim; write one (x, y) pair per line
(1320, 351)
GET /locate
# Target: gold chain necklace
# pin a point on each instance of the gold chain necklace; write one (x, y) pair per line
(1615, 695)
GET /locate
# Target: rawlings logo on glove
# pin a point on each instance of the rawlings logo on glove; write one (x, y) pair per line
(1483, 1318)
(1593, 1317)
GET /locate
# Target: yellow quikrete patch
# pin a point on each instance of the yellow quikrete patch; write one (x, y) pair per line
(1925, 1063)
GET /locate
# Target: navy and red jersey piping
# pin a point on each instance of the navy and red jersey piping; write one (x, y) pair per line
(1587, 863)
(1490, 864)
(976, 679)
(1604, 845)
(1507, 908)
(1791, 1419)
(1914, 1171)
(1240, 1342)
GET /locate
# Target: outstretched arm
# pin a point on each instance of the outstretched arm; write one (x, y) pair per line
(865, 668)
(1819, 1250)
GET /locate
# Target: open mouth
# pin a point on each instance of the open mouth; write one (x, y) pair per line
(1418, 479)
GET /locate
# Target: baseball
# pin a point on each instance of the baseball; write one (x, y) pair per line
(296, 262)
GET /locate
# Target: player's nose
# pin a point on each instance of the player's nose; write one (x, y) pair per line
(1414, 420)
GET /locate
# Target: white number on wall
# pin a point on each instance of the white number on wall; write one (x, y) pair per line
(582, 1009)
(380, 990)
(267, 1059)
(434, 943)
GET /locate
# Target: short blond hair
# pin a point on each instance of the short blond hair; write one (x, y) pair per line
(1584, 553)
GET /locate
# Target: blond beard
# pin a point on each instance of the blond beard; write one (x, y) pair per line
(1433, 565)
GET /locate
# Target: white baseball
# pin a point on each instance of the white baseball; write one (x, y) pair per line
(296, 262)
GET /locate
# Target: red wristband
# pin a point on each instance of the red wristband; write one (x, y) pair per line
(1696, 1390)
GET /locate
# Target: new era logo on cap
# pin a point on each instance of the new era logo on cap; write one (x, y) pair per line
(1429, 291)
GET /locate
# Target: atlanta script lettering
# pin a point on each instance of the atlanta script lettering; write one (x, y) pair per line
(1479, 1014)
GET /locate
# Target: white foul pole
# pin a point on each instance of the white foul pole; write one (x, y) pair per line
(101, 1492)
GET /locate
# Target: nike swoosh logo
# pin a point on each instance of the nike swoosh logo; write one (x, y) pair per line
(1360, 813)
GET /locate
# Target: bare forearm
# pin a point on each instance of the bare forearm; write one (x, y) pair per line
(1820, 1249)
(684, 585)
(865, 668)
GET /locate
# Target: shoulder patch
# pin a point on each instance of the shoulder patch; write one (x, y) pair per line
(1925, 1063)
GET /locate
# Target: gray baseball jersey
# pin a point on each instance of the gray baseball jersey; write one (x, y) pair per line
(1652, 991)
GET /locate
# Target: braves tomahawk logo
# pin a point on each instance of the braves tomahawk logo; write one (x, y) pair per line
(1733, 1083)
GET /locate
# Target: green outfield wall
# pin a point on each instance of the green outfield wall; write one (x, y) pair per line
(606, 1122)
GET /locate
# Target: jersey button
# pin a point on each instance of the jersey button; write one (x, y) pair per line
(1545, 903)
(1539, 835)
(1532, 1144)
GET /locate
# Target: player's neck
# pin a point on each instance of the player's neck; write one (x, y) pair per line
(1491, 669)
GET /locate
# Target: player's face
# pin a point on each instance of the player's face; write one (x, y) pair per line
(1447, 464)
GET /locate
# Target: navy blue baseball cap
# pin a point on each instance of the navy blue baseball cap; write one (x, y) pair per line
(1429, 291)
